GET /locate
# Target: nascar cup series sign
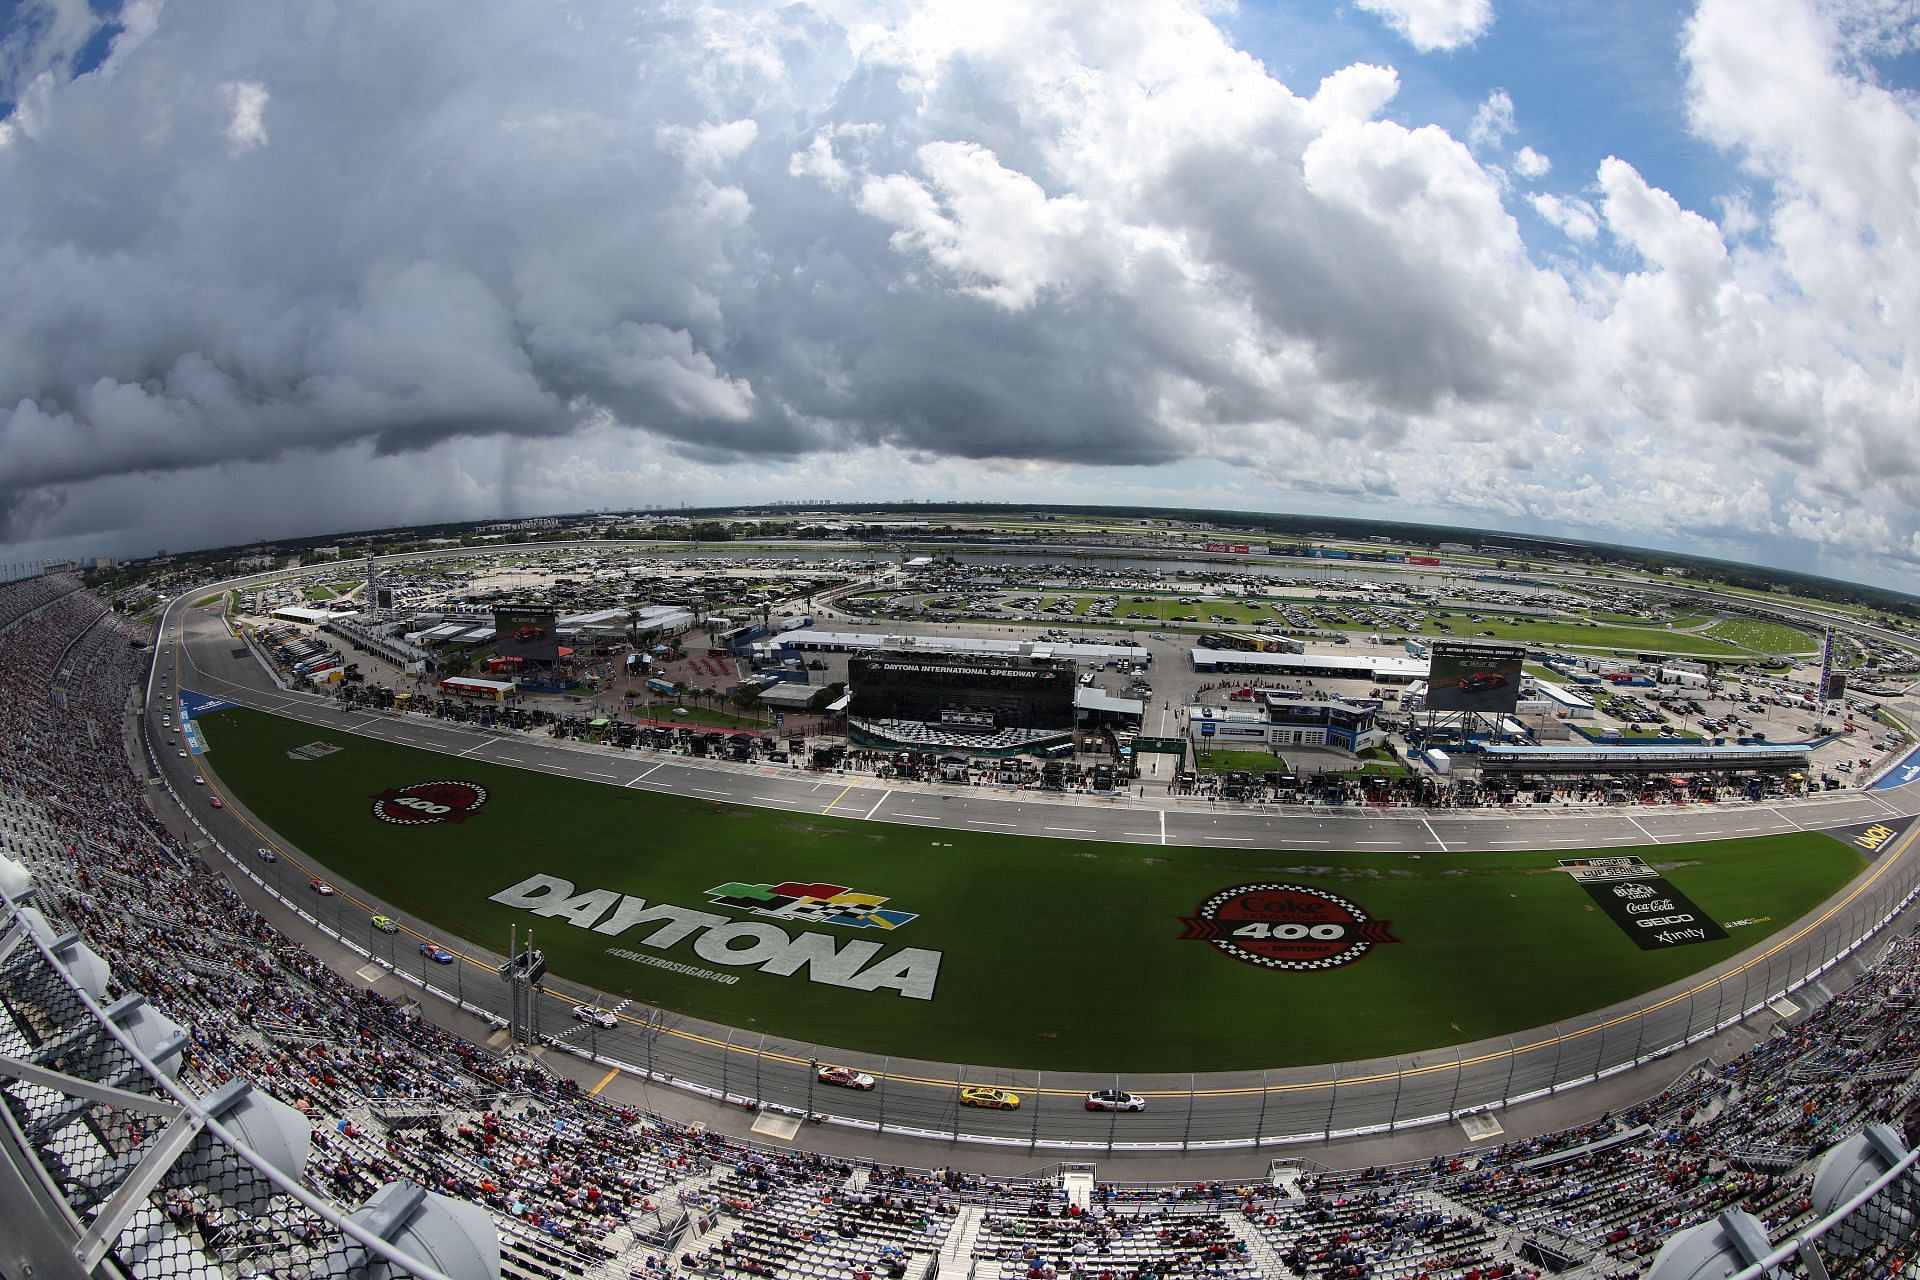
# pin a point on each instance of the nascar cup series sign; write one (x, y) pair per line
(1286, 926)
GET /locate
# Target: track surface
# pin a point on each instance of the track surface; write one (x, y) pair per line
(200, 655)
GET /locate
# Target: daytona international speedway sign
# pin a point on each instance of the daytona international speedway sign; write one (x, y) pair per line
(855, 964)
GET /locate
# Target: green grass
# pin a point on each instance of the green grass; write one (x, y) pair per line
(1056, 953)
(318, 592)
(204, 601)
(1225, 760)
(1764, 637)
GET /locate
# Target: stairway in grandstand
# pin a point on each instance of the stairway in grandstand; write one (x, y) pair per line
(956, 1254)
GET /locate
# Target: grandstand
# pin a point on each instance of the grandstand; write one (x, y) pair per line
(157, 1033)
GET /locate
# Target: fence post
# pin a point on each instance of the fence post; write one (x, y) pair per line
(1399, 1080)
(1459, 1074)
(1559, 1047)
(1333, 1099)
(1260, 1125)
(1039, 1089)
(886, 1068)
(726, 1057)
(1513, 1054)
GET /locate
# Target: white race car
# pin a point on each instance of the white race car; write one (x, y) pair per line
(602, 1018)
(845, 1077)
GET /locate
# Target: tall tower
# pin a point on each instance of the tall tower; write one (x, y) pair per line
(372, 601)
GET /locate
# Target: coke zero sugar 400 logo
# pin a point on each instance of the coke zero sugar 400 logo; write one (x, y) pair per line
(1286, 926)
(425, 802)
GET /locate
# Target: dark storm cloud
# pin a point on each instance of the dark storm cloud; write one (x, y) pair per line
(287, 240)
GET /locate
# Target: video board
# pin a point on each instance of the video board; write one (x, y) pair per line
(1481, 678)
(526, 632)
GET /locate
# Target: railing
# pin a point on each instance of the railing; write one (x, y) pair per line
(114, 1164)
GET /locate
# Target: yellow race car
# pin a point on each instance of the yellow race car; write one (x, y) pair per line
(997, 1099)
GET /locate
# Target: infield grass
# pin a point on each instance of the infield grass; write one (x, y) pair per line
(1054, 953)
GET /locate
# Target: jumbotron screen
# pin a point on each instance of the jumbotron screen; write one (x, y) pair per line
(1482, 678)
(525, 632)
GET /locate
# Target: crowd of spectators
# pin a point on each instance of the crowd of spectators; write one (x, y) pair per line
(578, 1186)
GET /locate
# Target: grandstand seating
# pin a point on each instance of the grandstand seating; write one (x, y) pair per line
(580, 1187)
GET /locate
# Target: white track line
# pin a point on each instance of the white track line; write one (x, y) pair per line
(1077, 831)
(877, 803)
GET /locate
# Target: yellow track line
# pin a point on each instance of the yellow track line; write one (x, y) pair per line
(837, 799)
(605, 1080)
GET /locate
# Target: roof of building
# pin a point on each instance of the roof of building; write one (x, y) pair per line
(788, 694)
(981, 646)
(1091, 699)
(300, 613)
(1308, 663)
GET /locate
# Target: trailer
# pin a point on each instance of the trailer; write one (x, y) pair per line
(1437, 760)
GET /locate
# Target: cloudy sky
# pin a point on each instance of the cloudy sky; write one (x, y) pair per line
(1613, 268)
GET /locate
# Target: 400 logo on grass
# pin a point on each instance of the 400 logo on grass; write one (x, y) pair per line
(425, 802)
(1286, 926)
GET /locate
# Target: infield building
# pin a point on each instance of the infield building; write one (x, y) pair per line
(999, 704)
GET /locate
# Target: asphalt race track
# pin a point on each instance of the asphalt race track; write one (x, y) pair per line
(1199, 1112)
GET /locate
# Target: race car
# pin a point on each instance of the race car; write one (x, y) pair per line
(199, 781)
(1480, 681)
(266, 854)
(217, 802)
(321, 887)
(436, 953)
(845, 1077)
(1115, 1100)
(993, 1099)
(385, 924)
(602, 1018)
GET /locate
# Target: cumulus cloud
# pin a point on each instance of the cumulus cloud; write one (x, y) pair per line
(1575, 217)
(1430, 25)
(1492, 121)
(722, 251)
(246, 108)
(1529, 163)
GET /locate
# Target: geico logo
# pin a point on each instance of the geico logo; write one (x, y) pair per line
(1291, 932)
(1656, 922)
(424, 806)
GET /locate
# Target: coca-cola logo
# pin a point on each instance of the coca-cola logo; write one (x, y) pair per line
(1285, 926)
(425, 802)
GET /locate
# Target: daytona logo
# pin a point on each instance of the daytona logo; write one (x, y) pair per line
(1285, 926)
(426, 802)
